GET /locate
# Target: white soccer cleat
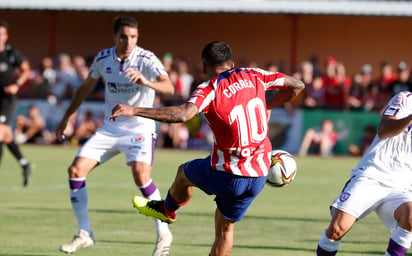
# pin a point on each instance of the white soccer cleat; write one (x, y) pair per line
(81, 240)
(163, 243)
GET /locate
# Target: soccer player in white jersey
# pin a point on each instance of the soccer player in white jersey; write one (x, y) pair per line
(132, 76)
(381, 182)
(234, 105)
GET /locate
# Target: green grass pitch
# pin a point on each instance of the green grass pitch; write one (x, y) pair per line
(281, 221)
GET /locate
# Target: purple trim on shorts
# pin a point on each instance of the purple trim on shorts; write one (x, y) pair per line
(147, 191)
(77, 184)
(394, 249)
(153, 148)
(321, 252)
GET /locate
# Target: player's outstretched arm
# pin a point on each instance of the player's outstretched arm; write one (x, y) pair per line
(173, 114)
(291, 88)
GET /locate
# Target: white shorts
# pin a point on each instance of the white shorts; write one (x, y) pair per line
(103, 145)
(362, 195)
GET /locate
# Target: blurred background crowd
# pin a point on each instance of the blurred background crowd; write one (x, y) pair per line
(328, 86)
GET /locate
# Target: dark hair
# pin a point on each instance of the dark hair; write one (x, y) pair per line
(217, 52)
(122, 21)
(4, 24)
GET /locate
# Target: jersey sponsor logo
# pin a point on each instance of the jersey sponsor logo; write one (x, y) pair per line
(108, 70)
(134, 147)
(112, 87)
(246, 151)
(122, 87)
(344, 196)
(137, 140)
(234, 88)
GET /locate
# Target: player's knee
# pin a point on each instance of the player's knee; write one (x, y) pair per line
(404, 216)
(406, 221)
(336, 231)
(74, 172)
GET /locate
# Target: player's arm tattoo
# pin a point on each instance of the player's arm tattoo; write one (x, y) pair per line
(174, 114)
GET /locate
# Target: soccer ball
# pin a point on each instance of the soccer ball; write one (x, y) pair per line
(282, 170)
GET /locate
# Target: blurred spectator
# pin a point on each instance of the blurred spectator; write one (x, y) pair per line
(30, 128)
(168, 61)
(359, 89)
(272, 67)
(336, 84)
(386, 77)
(173, 135)
(320, 140)
(186, 79)
(6, 133)
(66, 78)
(314, 60)
(175, 99)
(82, 71)
(44, 78)
(307, 75)
(365, 142)
(296, 102)
(85, 129)
(403, 81)
(79, 62)
(375, 99)
(315, 94)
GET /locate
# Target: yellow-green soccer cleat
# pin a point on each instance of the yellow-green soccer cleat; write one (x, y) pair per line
(152, 208)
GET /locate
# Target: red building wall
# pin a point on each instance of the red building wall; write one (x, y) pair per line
(261, 38)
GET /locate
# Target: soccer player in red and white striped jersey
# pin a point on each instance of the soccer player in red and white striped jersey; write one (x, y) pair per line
(233, 101)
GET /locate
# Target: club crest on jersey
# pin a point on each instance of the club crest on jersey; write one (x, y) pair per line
(344, 196)
(137, 140)
(398, 100)
(197, 93)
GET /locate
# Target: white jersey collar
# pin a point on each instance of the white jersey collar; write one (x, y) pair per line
(116, 58)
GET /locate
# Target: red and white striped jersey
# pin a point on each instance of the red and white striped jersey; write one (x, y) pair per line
(234, 105)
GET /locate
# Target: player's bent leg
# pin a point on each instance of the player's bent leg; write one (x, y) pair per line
(142, 176)
(182, 188)
(79, 200)
(328, 244)
(141, 172)
(403, 215)
(81, 166)
(163, 244)
(223, 243)
(340, 224)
